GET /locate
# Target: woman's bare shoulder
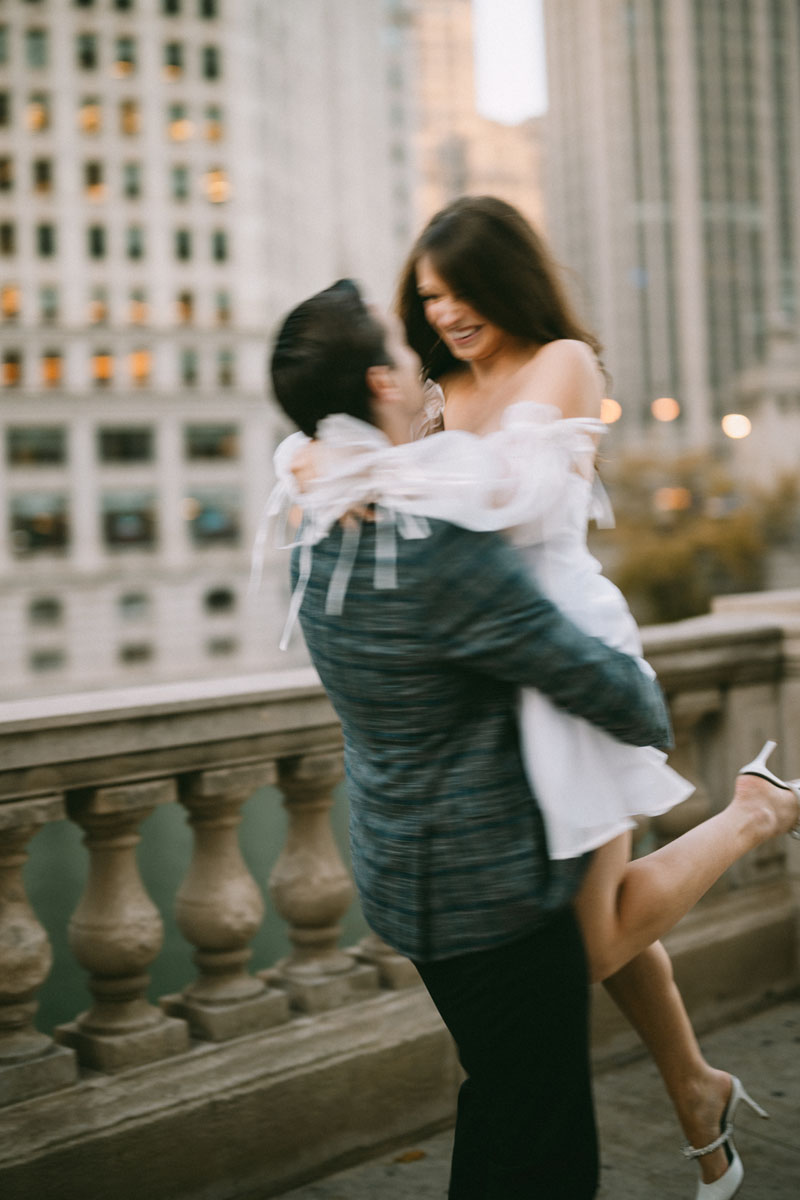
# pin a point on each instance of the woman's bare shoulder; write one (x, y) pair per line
(566, 373)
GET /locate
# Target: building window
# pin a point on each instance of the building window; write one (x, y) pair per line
(225, 368)
(102, 368)
(180, 182)
(48, 303)
(45, 611)
(5, 110)
(93, 183)
(9, 302)
(134, 606)
(208, 8)
(183, 244)
(52, 368)
(83, 3)
(211, 62)
(134, 653)
(179, 126)
(98, 305)
(129, 520)
(222, 307)
(37, 112)
(219, 646)
(8, 238)
(12, 368)
(219, 600)
(47, 658)
(214, 127)
(42, 176)
(90, 115)
(3, 45)
(134, 242)
(6, 174)
(36, 446)
(140, 365)
(96, 241)
(86, 55)
(137, 306)
(36, 47)
(173, 60)
(123, 5)
(125, 444)
(130, 120)
(189, 369)
(124, 57)
(46, 240)
(171, 8)
(204, 442)
(219, 245)
(217, 186)
(185, 307)
(132, 180)
(213, 516)
(39, 523)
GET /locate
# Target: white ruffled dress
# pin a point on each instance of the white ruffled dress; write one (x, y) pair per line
(529, 478)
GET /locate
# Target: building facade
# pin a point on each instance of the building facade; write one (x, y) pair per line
(673, 168)
(173, 175)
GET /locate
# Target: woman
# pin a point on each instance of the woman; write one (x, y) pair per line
(482, 307)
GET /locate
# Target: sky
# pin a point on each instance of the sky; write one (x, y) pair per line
(509, 59)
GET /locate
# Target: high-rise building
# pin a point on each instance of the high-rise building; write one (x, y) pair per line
(673, 169)
(173, 175)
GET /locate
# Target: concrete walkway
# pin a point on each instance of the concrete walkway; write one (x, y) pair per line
(640, 1137)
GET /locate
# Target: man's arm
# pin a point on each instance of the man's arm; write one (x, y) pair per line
(486, 614)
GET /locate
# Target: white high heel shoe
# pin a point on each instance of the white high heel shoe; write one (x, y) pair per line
(728, 1184)
(759, 767)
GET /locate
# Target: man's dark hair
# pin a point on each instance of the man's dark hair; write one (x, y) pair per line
(321, 356)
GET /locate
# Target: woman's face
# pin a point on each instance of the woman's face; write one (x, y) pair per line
(467, 335)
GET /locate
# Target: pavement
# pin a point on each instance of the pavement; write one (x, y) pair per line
(639, 1136)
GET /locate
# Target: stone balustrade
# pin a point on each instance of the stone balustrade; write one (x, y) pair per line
(241, 1029)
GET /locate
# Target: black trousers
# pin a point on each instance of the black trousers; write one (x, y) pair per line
(519, 1017)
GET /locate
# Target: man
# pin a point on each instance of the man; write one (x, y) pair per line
(449, 850)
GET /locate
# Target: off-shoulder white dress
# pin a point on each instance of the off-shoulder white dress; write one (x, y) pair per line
(533, 479)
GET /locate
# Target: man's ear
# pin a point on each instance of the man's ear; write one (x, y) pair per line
(381, 383)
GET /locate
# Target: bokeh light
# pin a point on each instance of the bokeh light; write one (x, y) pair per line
(736, 425)
(610, 410)
(665, 408)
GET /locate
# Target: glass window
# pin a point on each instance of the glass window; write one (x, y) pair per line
(132, 180)
(123, 5)
(8, 238)
(39, 523)
(86, 53)
(124, 56)
(185, 307)
(3, 45)
(219, 646)
(211, 62)
(129, 520)
(134, 242)
(180, 182)
(46, 240)
(83, 3)
(140, 365)
(10, 297)
(47, 658)
(36, 446)
(37, 112)
(219, 245)
(137, 306)
(179, 126)
(183, 244)
(5, 109)
(125, 444)
(134, 653)
(130, 119)
(48, 303)
(6, 174)
(93, 182)
(134, 606)
(42, 176)
(170, 8)
(225, 368)
(208, 8)
(90, 115)
(189, 367)
(12, 368)
(217, 186)
(214, 128)
(214, 516)
(52, 368)
(102, 368)
(219, 600)
(45, 610)
(98, 305)
(173, 60)
(96, 241)
(36, 47)
(222, 304)
(211, 441)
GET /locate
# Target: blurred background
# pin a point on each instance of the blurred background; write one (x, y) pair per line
(175, 174)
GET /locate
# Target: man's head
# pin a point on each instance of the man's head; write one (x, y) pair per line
(333, 354)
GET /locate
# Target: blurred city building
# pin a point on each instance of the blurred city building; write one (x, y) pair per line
(459, 151)
(173, 175)
(673, 171)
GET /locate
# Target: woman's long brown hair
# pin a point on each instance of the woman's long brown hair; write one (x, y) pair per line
(487, 253)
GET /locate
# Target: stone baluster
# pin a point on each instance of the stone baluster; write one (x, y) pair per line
(30, 1062)
(312, 890)
(116, 932)
(394, 970)
(219, 908)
